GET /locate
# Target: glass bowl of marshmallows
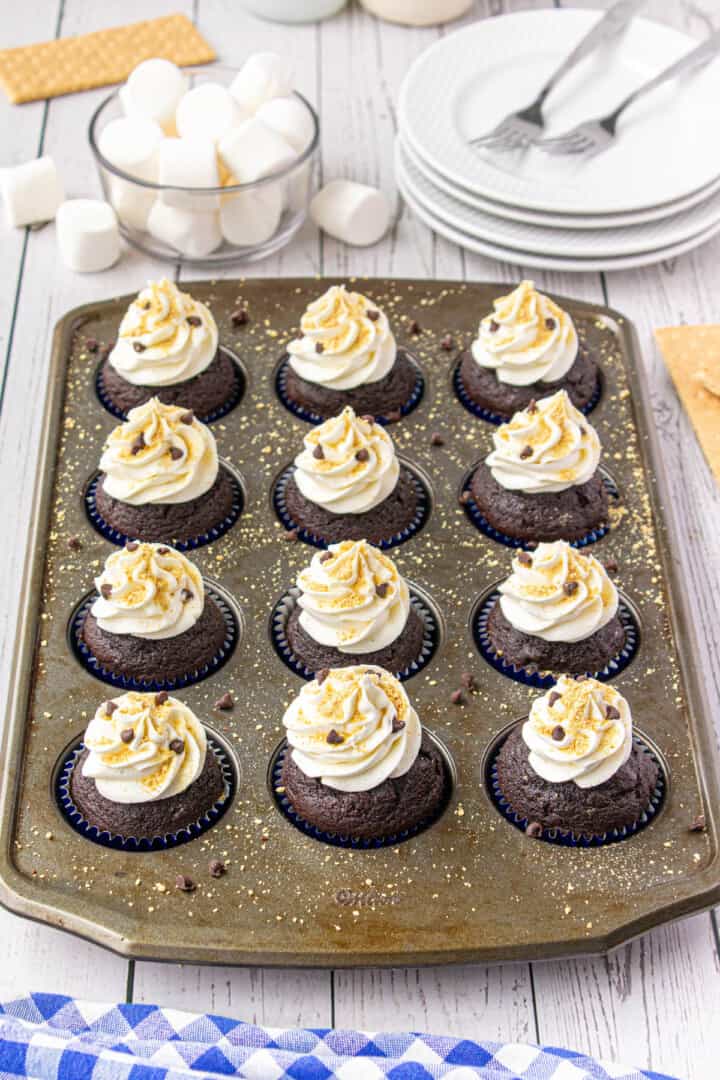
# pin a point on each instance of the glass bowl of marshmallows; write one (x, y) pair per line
(207, 165)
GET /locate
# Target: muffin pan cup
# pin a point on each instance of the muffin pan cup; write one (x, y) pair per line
(464, 889)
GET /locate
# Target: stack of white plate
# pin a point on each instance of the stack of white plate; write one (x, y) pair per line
(653, 194)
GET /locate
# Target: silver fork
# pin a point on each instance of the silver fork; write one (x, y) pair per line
(521, 128)
(593, 136)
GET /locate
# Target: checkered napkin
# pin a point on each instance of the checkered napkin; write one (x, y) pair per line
(51, 1037)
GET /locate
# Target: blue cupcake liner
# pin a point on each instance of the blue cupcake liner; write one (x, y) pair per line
(286, 604)
(314, 418)
(116, 537)
(208, 418)
(569, 839)
(336, 839)
(544, 680)
(481, 522)
(495, 418)
(107, 839)
(422, 512)
(125, 682)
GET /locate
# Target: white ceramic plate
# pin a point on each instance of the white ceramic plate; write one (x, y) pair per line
(566, 243)
(563, 221)
(548, 262)
(463, 85)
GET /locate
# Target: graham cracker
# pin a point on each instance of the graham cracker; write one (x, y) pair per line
(692, 356)
(104, 57)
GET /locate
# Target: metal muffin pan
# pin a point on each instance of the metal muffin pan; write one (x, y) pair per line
(465, 889)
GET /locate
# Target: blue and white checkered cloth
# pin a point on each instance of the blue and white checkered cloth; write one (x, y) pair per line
(51, 1037)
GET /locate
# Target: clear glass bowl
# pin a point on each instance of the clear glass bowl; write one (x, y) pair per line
(192, 225)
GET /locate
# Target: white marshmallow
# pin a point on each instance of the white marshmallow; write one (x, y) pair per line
(188, 163)
(208, 111)
(298, 186)
(251, 217)
(32, 192)
(262, 77)
(289, 118)
(253, 151)
(131, 144)
(153, 91)
(193, 234)
(88, 235)
(352, 212)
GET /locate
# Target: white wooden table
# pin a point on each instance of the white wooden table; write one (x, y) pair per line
(655, 1002)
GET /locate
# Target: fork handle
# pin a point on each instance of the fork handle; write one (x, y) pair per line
(695, 58)
(613, 21)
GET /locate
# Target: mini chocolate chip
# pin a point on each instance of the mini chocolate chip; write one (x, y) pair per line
(571, 587)
(362, 454)
(290, 535)
(436, 439)
(525, 558)
(457, 697)
(187, 417)
(239, 317)
(319, 347)
(110, 707)
(533, 829)
(697, 824)
(550, 323)
(226, 702)
(582, 430)
(468, 680)
(184, 883)
(465, 498)
(106, 591)
(382, 589)
(553, 697)
(216, 868)
(132, 545)
(612, 713)
(177, 746)
(321, 675)
(333, 738)
(138, 346)
(558, 733)
(175, 453)
(127, 734)
(186, 595)
(161, 697)
(415, 327)
(611, 566)
(526, 452)
(368, 419)
(393, 415)
(397, 725)
(493, 326)
(163, 551)
(372, 314)
(326, 556)
(194, 320)
(318, 452)
(532, 406)
(138, 444)
(447, 343)
(92, 345)
(74, 543)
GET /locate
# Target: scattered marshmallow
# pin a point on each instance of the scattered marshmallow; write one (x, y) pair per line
(351, 212)
(262, 77)
(88, 235)
(194, 234)
(153, 91)
(251, 217)
(253, 151)
(290, 119)
(208, 111)
(32, 192)
(188, 163)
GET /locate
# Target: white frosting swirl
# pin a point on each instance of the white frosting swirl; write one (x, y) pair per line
(141, 751)
(161, 454)
(346, 341)
(549, 446)
(354, 729)
(579, 731)
(353, 598)
(557, 594)
(354, 469)
(148, 590)
(165, 337)
(527, 338)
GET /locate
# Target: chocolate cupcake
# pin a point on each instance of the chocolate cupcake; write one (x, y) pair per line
(354, 607)
(152, 620)
(146, 770)
(348, 483)
(573, 765)
(167, 347)
(541, 481)
(347, 355)
(527, 348)
(160, 476)
(558, 611)
(359, 765)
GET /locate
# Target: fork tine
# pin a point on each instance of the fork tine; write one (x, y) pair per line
(498, 132)
(555, 140)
